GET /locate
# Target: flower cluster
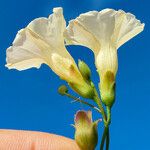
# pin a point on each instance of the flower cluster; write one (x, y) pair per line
(44, 41)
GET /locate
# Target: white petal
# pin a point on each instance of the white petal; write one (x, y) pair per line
(77, 35)
(50, 29)
(35, 44)
(24, 53)
(129, 28)
(90, 29)
(105, 27)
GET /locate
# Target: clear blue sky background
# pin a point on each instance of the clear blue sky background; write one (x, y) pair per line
(29, 99)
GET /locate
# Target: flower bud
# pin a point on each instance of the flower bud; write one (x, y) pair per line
(86, 134)
(84, 69)
(62, 90)
(85, 90)
(107, 88)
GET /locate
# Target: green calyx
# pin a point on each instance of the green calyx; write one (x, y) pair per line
(86, 134)
(85, 90)
(107, 88)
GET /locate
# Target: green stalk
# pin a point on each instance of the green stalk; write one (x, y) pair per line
(81, 101)
(98, 102)
(108, 109)
(103, 138)
(107, 140)
(106, 130)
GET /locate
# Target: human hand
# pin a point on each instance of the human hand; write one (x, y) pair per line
(30, 140)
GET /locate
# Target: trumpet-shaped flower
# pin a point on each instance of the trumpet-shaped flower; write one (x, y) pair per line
(103, 32)
(42, 41)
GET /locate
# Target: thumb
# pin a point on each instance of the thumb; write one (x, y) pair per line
(30, 140)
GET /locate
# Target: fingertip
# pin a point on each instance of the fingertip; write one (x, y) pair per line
(29, 140)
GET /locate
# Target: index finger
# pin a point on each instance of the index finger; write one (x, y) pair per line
(29, 140)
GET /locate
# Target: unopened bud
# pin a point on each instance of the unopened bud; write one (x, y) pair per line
(86, 134)
(84, 69)
(62, 90)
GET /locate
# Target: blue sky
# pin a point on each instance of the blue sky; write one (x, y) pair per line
(29, 99)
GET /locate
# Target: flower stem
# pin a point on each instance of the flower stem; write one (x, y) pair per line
(82, 101)
(106, 130)
(98, 102)
(103, 138)
(108, 109)
(107, 140)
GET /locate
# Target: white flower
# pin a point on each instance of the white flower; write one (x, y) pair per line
(42, 41)
(103, 32)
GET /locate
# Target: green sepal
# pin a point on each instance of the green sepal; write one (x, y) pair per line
(86, 90)
(107, 88)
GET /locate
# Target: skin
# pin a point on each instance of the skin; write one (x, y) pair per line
(30, 140)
